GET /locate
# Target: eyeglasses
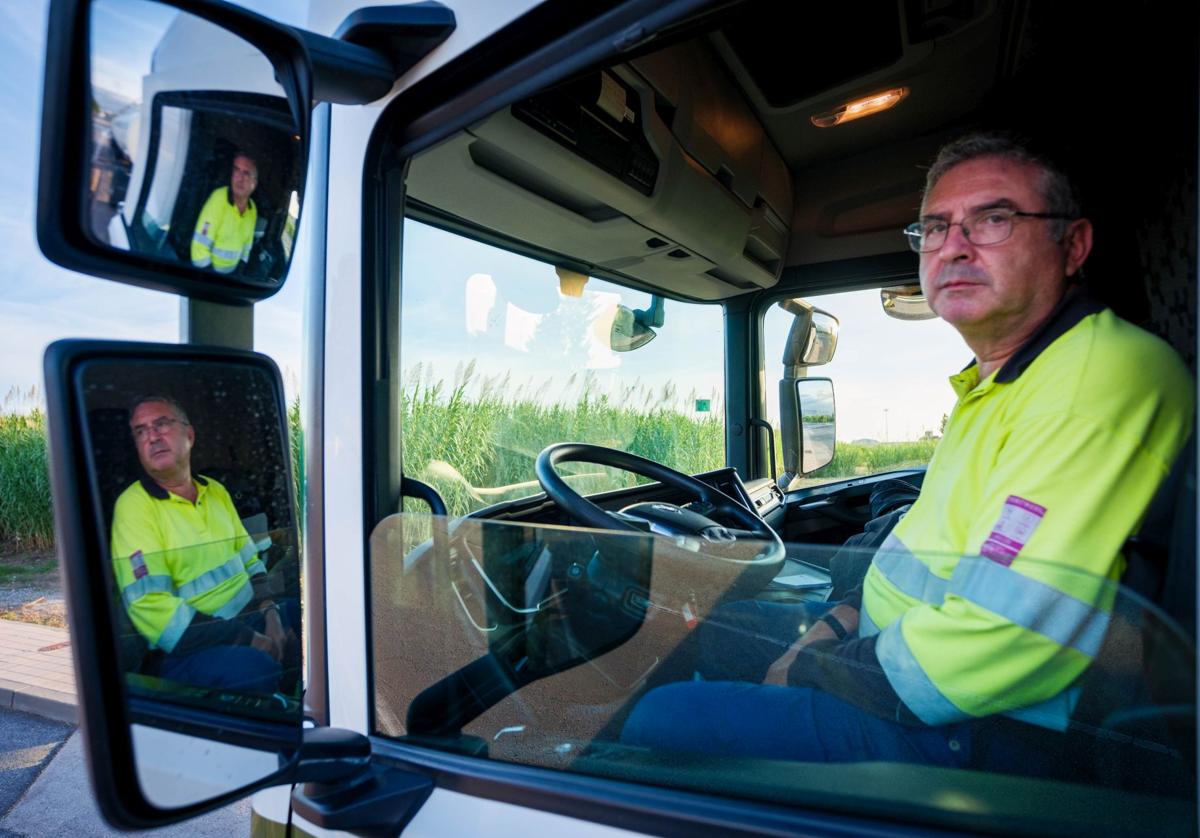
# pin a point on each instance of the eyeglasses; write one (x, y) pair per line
(160, 426)
(983, 228)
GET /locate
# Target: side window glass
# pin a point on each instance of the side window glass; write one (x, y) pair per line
(889, 378)
(617, 655)
(503, 355)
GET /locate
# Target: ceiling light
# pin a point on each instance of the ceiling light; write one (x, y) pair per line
(859, 108)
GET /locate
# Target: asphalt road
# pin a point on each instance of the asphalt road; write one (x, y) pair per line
(44, 788)
(27, 744)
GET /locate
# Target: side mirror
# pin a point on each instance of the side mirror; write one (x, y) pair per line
(177, 536)
(175, 149)
(808, 425)
(818, 423)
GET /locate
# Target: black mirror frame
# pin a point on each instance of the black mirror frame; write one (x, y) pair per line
(61, 208)
(82, 551)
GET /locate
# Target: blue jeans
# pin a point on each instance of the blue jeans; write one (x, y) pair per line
(731, 718)
(224, 667)
(732, 713)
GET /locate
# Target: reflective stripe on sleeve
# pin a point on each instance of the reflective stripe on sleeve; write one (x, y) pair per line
(250, 553)
(909, 574)
(1054, 713)
(205, 582)
(221, 253)
(156, 584)
(201, 239)
(1030, 604)
(203, 263)
(176, 626)
(910, 682)
(234, 607)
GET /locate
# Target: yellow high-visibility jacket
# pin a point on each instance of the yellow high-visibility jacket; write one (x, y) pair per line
(223, 236)
(173, 559)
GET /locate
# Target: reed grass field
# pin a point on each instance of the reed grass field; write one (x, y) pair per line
(475, 442)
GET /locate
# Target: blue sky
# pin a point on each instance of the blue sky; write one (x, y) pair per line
(40, 302)
(890, 376)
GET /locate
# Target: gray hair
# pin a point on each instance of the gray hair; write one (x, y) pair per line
(175, 406)
(1057, 189)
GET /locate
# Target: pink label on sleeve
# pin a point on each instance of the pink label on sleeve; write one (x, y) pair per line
(1018, 519)
(138, 564)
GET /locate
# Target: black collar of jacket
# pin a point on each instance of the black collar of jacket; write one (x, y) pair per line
(158, 492)
(1075, 305)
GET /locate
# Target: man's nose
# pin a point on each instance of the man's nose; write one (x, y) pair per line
(957, 245)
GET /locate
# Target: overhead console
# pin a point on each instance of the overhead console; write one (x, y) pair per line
(656, 169)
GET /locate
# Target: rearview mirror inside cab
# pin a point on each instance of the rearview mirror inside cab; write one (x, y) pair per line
(176, 160)
(179, 545)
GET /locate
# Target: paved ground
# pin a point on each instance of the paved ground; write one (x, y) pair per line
(36, 672)
(27, 744)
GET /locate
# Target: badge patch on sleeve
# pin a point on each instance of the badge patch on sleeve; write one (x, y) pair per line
(138, 564)
(1018, 519)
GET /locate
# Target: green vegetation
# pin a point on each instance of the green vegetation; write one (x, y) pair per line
(26, 520)
(480, 449)
(475, 442)
(850, 458)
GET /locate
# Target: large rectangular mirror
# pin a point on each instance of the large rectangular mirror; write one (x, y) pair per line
(183, 458)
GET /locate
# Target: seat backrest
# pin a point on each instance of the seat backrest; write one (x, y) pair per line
(1162, 556)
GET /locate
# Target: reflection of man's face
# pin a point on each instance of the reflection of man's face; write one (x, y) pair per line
(163, 440)
(244, 177)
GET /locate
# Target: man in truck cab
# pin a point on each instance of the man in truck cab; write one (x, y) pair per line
(224, 230)
(188, 572)
(992, 595)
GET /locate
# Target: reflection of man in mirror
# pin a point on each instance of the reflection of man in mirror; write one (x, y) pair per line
(187, 570)
(225, 229)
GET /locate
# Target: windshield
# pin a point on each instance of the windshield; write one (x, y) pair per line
(503, 355)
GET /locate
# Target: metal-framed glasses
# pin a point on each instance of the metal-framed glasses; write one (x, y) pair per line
(983, 228)
(159, 426)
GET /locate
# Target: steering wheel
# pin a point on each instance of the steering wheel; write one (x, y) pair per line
(751, 548)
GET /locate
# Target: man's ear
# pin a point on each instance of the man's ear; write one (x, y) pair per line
(1078, 244)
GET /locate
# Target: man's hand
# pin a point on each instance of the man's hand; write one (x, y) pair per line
(274, 630)
(777, 673)
(265, 644)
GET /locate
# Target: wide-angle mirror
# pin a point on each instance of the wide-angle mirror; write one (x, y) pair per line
(196, 157)
(905, 302)
(185, 465)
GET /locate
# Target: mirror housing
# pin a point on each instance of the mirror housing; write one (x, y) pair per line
(905, 302)
(628, 332)
(65, 225)
(142, 720)
(811, 341)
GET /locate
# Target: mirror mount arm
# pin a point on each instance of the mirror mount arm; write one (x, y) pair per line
(789, 423)
(398, 35)
(344, 73)
(343, 791)
(654, 316)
